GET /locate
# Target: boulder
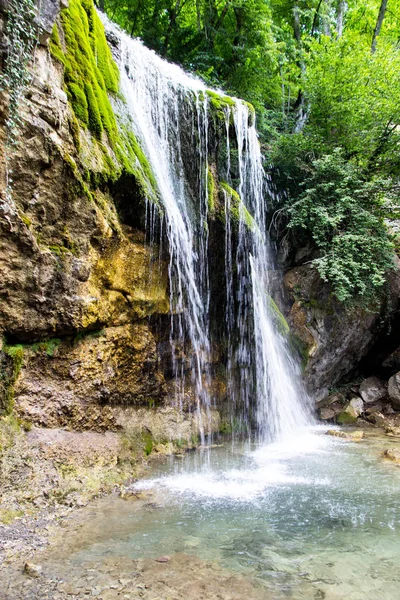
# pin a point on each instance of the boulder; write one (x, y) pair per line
(326, 414)
(378, 419)
(357, 404)
(394, 390)
(352, 411)
(372, 390)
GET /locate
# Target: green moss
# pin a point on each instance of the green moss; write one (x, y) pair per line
(47, 346)
(55, 45)
(238, 211)
(279, 320)
(75, 131)
(25, 219)
(95, 118)
(219, 101)
(344, 418)
(148, 442)
(90, 71)
(88, 333)
(252, 113)
(212, 191)
(90, 75)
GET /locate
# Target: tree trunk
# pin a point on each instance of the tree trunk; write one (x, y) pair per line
(341, 9)
(172, 13)
(378, 25)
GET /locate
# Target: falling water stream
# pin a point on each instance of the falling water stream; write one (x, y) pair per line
(170, 111)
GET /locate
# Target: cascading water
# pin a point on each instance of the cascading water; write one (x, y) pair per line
(171, 112)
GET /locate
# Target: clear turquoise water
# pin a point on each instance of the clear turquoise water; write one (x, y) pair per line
(317, 517)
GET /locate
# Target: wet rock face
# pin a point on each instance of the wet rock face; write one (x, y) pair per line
(334, 339)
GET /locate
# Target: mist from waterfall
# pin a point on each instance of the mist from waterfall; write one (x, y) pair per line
(170, 111)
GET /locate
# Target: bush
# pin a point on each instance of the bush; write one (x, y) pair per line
(343, 214)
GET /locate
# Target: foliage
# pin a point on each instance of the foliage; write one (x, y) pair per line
(21, 33)
(322, 77)
(344, 216)
(227, 43)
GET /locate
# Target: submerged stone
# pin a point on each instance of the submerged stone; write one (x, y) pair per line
(354, 436)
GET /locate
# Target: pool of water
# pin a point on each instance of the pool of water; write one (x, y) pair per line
(315, 517)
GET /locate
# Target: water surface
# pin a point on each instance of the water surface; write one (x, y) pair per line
(316, 517)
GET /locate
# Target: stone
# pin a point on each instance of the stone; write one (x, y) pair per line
(163, 559)
(394, 390)
(372, 390)
(392, 431)
(326, 414)
(351, 412)
(357, 404)
(378, 419)
(353, 436)
(47, 13)
(32, 570)
(392, 454)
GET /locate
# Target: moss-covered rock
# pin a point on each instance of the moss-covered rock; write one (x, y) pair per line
(238, 211)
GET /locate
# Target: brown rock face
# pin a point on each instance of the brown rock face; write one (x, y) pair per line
(72, 272)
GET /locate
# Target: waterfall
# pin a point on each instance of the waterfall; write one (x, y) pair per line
(171, 114)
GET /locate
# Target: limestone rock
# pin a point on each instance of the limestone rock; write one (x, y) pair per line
(47, 13)
(372, 390)
(352, 411)
(378, 419)
(354, 436)
(392, 431)
(392, 454)
(357, 404)
(394, 390)
(32, 570)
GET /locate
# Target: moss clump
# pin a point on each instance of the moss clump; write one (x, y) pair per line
(221, 106)
(238, 211)
(148, 442)
(219, 101)
(47, 346)
(212, 191)
(252, 113)
(90, 75)
(79, 103)
(55, 45)
(90, 71)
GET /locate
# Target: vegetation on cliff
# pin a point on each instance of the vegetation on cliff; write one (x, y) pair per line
(324, 78)
(91, 80)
